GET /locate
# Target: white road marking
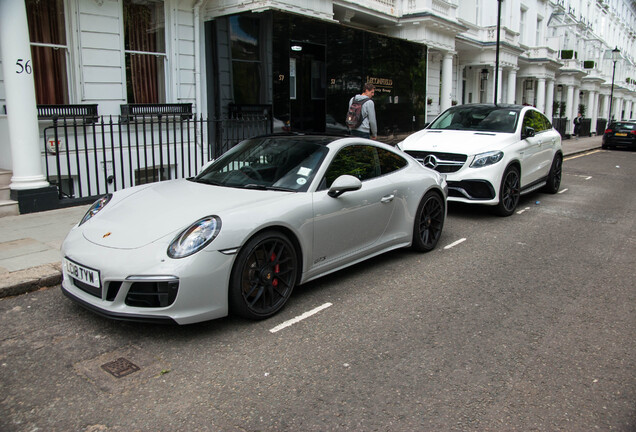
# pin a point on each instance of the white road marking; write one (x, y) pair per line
(563, 190)
(300, 318)
(582, 176)
(525, 209)
(455, 243)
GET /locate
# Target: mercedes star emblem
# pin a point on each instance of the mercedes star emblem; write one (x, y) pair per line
(431, 161)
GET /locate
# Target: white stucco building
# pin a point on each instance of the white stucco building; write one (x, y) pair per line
(299, 59)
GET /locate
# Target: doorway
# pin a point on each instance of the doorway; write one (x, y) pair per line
(307, 91)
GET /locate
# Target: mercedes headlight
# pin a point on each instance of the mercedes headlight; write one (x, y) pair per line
(195, 237)
(96, 207)
(484, 159)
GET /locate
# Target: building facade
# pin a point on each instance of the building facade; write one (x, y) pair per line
(296, 61)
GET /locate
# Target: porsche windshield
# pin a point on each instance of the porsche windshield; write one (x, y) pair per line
(478, 118)
(273, 163)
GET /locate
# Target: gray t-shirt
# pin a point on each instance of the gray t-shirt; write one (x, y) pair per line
(369, 124)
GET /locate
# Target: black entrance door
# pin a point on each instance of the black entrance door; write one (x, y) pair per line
(307, 87)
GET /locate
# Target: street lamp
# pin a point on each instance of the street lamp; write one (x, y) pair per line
(616, 56)
(497, 51)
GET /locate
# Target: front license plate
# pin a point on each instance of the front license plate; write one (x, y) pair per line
(81, 273)
(621, 134)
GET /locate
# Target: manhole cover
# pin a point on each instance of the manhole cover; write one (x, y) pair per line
(120, 367)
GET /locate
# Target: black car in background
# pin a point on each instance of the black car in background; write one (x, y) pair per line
(620, 134)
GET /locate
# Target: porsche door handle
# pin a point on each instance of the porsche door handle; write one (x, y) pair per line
(387, 198)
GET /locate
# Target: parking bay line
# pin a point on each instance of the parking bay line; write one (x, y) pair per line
(454, 243)
(524, 210)
(563, 190)
(300, 318)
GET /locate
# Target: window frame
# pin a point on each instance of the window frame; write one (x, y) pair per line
(156, 54)
(324, 185)
(69, 25)
(259, 62)
(396, 156)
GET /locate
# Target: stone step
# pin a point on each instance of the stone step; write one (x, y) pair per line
(5, 193)
(5, 177)
(9, 208)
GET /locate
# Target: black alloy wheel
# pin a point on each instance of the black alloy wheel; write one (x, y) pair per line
(554, 177)
(509, 192)
(429, 222)
(263, 276)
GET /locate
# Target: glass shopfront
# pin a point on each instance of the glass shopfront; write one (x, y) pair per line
(318, 67)
(306, 71)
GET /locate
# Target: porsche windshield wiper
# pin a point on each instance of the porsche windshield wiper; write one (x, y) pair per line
(269, 188)
(207, 181)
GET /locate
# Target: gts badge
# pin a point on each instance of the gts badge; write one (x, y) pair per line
(321, 259)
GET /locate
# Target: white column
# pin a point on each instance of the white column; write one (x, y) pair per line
(590, 109)
(447, 81)
(541, 95)
(619, 109)
(595, 111)
(512, 86)
(590, 104)
(519, 92)
(606, 107)
(499, 85)
(616, 115)
(549, 101)
(576, 102)
(19, 87)
(568, 108)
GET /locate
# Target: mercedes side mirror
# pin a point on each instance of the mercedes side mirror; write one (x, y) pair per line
(528, 132)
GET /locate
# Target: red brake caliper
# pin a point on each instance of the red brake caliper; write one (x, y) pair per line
(276, 269)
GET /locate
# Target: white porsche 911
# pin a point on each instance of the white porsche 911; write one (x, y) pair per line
(491, 154)
(272, 213)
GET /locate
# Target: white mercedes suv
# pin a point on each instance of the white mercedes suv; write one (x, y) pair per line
(491, 154)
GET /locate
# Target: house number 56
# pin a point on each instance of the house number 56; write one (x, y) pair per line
(23, 67)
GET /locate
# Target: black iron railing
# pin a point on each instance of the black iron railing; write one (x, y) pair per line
(90, 158)
(601, 125)
(560, 124)
(183, 110)
(86, 112)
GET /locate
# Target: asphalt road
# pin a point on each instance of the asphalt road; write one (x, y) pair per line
(520, 323)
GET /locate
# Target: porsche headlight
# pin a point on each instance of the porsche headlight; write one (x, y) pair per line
(96, 207)
(195, 237)
(485, 159)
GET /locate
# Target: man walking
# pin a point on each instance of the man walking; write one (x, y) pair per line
(364, 125)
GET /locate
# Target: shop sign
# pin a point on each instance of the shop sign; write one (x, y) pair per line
(382, 85)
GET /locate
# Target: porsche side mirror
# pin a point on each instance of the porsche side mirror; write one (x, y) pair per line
(528, 132)
(344, 183)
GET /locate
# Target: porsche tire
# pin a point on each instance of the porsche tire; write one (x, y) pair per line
(429, 221)
(263, 276)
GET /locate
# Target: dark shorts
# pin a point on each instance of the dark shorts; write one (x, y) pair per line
(360, 134)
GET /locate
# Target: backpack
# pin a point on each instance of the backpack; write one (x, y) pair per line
(354, 114)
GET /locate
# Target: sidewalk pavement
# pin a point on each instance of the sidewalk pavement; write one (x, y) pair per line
(30, 244)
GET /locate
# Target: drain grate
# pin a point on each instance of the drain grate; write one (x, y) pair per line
(120, 367)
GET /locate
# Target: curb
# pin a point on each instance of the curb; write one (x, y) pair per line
(578, 152)
(31, 279)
